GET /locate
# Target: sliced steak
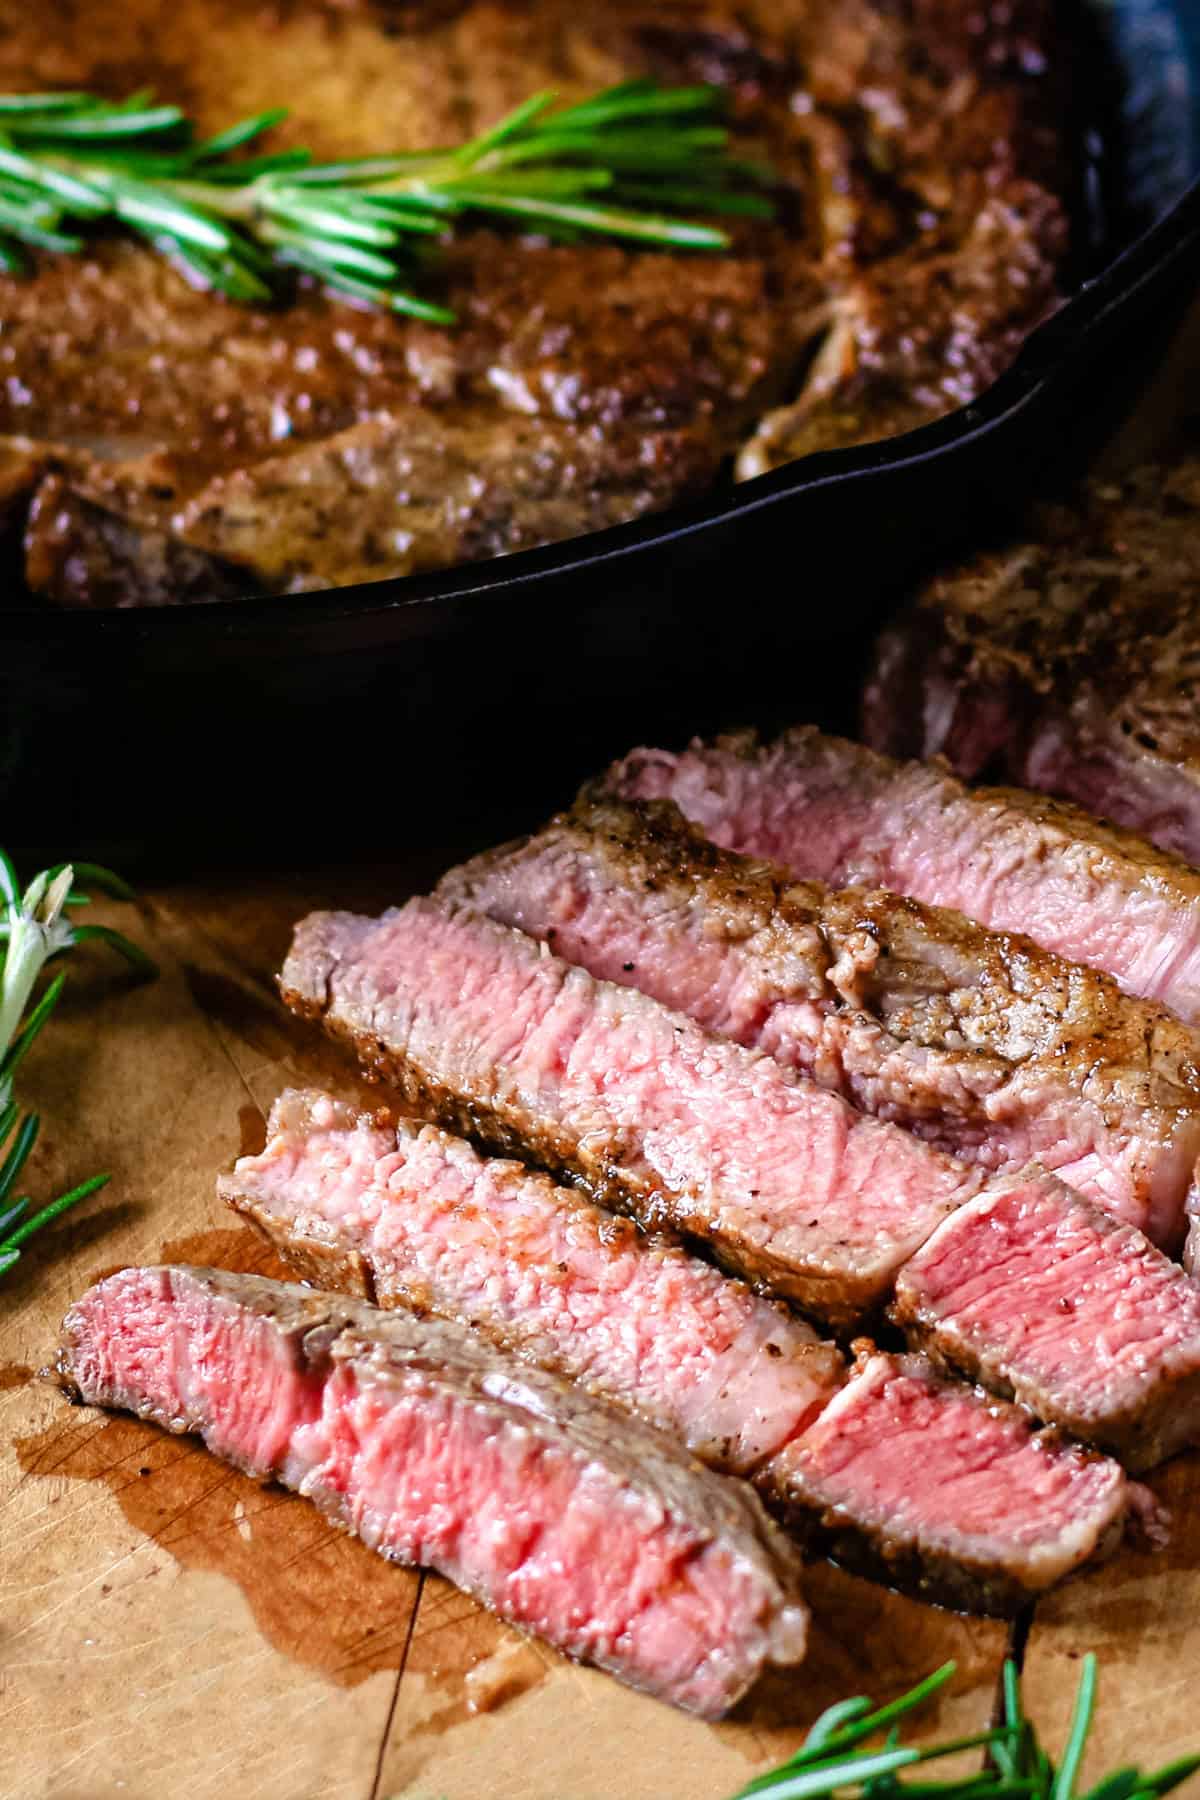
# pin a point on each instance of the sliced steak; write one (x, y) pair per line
(1015, 861)
(481, 1026)
(407, 1215)
(1081, 1319)
(567, 1517)
(995, 1050)
(1069, 661)
(918, 1482)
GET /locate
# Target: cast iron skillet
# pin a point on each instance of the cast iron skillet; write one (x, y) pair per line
(443, 706)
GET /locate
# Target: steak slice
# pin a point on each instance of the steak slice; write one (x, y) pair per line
(1017, 862)
(565, 1516)
(991, 1048)
(1068, 661)
(484, 1028)
(407, 1215)
(1081, 1319)
(920, 1483)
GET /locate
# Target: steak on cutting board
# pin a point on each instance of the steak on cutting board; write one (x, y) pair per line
(481, 1027)
(178, 447)
(825, 807)
(983, 1044)
(566, 1516)
(409, 1216)
(1068, 660)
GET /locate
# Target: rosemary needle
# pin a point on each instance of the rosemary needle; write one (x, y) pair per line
(830, 1761)
(35, 930)
(625, 164)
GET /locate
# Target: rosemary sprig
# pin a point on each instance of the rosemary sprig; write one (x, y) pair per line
(622, 165)
(832, 1759)
(35, 930)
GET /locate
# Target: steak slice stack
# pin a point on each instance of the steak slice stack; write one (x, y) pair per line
(1069, 661)
(1081, 1319)
(564, 1515)
(828, 808)
(483, 1028)
(413, 1217)
(987, 1046)
(407, 1215)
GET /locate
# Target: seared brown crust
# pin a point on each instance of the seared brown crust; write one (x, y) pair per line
(923, 169)
(1086, 620)
(932, 976)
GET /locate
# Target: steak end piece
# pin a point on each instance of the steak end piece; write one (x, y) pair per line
(407, 1215)
(1067, 660)
(563, 1515)
(918, 1482)
(481, 1027)
(980, 1042)
(1044, 1298)
(1015, 861)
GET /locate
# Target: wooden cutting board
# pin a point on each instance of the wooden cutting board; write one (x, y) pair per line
(166, 1626)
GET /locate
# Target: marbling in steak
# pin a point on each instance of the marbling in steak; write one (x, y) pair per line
(566, 1516)
(409, 1216)
(484, 1029)
(981, 1043)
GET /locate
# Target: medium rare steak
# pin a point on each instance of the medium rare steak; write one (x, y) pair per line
(567, 1517)
(1081, 1319)
(981, 1043)
(407, 1215)
(918, 1482)
(1067, 661)
(925, 169)
(1015, 861)
(481, 1026)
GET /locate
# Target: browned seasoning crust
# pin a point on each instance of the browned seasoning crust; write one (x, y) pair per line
(180, 447)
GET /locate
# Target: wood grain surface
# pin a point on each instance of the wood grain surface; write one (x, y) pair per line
(167, 1626)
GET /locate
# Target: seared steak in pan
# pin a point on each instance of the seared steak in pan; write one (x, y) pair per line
(177, 447)
(564, 1515)
(1016, 861)
(981, 1043)
(412, 1217)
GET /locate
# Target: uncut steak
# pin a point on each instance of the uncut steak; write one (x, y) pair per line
(166, 445)
(481, 1027)
(409, 1216)
(1016, 861)
(564, 1515)
(1067, 661)
(993, 1049)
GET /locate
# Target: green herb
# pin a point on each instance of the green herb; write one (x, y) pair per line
(622, 164)
(35, 930)
(834, 1758)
